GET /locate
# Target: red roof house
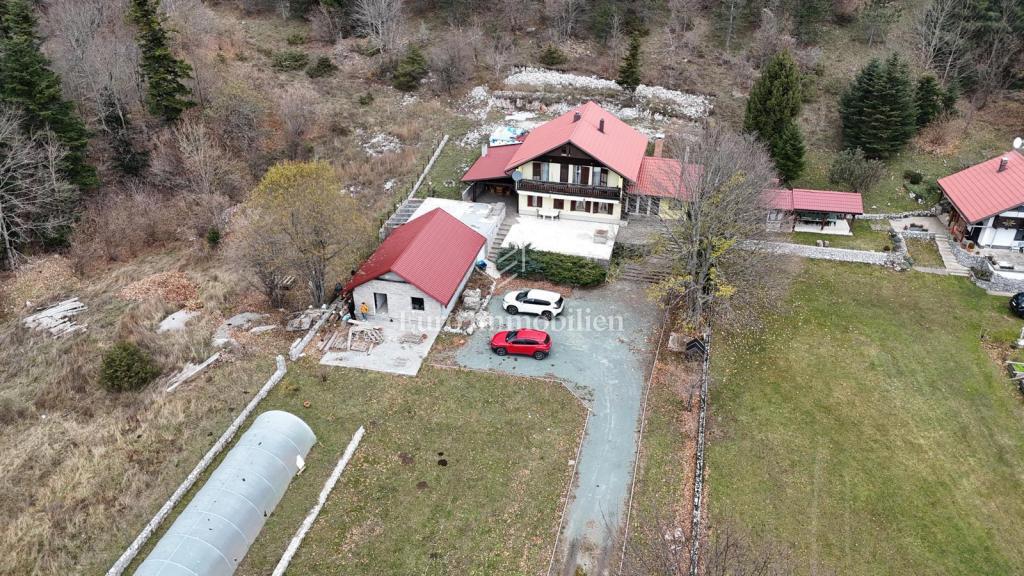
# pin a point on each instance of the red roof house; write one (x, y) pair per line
(662, 177)
(430, 256)
(803, 210)
(491, 163)
(983, 190)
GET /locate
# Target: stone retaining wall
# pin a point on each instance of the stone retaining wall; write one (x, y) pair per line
(934, 211)
(965, 258)
(918, 234)
(1000, 283)
(822, 253)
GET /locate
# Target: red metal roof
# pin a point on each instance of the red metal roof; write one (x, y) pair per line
(982, 190)
(827, 201)
(662, 177)
(432, 252)
(619, 147)
(780, 199)
(491, 166)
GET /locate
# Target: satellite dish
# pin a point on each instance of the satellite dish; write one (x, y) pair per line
(1018, 142)
(517, 176)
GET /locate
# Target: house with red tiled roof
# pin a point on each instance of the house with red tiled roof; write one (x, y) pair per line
(987, 202)
(420, 268)
(583, 165)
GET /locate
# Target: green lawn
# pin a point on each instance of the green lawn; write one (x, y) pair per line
(868, 429)
(444, 178)
(864, 238)
(924, 253)
(492, 510)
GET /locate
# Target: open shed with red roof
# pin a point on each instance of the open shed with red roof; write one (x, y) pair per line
(820, 211)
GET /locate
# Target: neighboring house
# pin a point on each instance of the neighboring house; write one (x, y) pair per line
(419, 271)
(988, 202)
(583, 165)
(820, 211)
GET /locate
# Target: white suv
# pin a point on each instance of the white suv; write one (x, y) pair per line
(543, 302)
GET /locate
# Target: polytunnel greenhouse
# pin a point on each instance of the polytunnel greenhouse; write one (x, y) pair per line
(213, 533)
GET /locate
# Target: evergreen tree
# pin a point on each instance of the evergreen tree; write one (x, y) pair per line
(929, 99)
(411, 70)
(128, 159)
(878, 112)
(27, 83)
(166, 97)
(772, 109)
(629, 72)
(808, 16)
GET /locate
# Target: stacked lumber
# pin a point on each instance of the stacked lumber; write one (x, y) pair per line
(57, 319)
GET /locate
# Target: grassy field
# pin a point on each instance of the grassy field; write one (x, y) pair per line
(864, 238)
(492, 509)
(870, 431)
(924, 253)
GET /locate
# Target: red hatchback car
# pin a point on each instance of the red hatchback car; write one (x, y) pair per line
(527, 342)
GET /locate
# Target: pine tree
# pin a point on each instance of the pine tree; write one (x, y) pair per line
(411, 70)
(772, 109)
(27, 83)
(878, 112)
(129, 159)
(629, 72)
(166, 97)
(929, 99)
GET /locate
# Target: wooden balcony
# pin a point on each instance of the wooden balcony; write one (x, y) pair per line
(579, 190)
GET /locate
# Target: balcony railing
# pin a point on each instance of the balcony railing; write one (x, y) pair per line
(580, 190)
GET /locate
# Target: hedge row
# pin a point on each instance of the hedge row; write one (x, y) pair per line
(557, 268)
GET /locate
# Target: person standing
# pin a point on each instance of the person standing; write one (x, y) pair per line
(363, 311)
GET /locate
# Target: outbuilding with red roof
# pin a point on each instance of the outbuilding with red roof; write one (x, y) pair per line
(820, 211)
(987, 202)
(420, 269)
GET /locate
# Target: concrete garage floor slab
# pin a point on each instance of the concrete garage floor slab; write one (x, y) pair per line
(397, 354)
(602, 350)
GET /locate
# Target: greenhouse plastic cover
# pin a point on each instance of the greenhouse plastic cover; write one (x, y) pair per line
(213, 533)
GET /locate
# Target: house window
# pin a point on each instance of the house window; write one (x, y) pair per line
(579, 206)
(538, 171)
(585, 175)
(563, 175)
(544, 166)
(601, 207)
(604, 177)
(534, 201)
(559, 204)
(417, 303)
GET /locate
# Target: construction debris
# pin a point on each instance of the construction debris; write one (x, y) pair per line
(176, 322)
(244, 321)
(471, 299)
(304, 320)
(56, 319)
(189, 371)
(170, 286)
(363, 337)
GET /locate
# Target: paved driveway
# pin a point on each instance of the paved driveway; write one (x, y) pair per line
(601, 350)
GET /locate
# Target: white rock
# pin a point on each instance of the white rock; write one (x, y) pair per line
(176, 321)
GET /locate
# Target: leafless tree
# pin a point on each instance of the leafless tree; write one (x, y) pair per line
(381, 21)
(35, 199)
(722, 196)
(997, 52)
(500, 55)
(207, 168)
(298, 107)
(733, 10)
(941, 34)
(681, 14)
(196, 26)
(770, 38)
(263, 251)
(450, 62)
(324, 24)
(95, 53)
(564, 15)
(238, 111)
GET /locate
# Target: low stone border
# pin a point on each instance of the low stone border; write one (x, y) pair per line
(933, 211)
(136, 546)
(822, 253)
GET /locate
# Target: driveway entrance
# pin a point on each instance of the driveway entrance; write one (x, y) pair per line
(602, 350)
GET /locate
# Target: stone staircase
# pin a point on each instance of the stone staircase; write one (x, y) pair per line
(953, 268)
(401, 216)
(499, 237)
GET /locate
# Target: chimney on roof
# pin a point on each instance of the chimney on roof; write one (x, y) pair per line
(659, 145)
(1003, 163)
(483, 149)
(600, 125)
(576, 116)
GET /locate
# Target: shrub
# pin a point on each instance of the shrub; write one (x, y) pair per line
(213, 237)
(288, 60)
(913, 177)
(559, 268)
(322, 67)
(982, 272)
(852, 169)
(366, 99)
(410, 71)
(297, 39)
(127, 367)
(551, 56)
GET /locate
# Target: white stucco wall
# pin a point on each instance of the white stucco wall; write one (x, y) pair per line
(400, 294)
(548, 202)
